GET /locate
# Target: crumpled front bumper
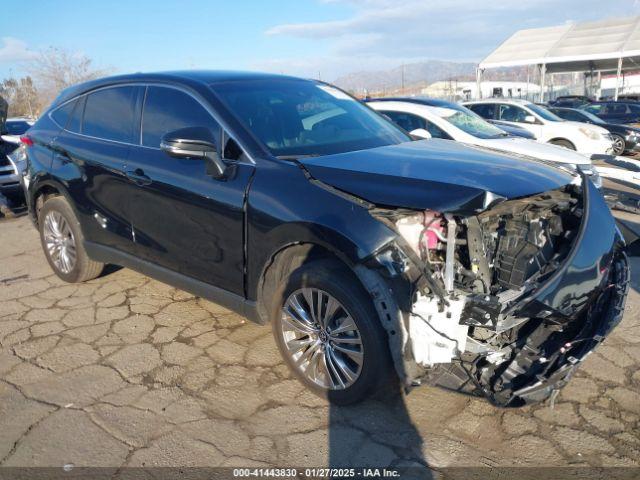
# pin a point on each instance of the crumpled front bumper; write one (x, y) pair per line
(605, 313)
(587, 293)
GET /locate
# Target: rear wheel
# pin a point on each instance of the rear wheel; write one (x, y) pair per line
(563, 143)
(329, 334)
(62, 242)
(618, 144)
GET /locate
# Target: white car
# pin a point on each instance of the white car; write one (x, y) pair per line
(16, 127)
(451, 121)
(546, 126)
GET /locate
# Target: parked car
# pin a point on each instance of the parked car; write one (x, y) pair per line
(11, 167)
(625, 138)
(546, 126)
(451, 121)
(292, 203)
(513, 129)
(14, 128)
(629, 97)
(570, 101)
(615, 112)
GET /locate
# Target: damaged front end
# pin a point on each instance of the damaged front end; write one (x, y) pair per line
(504, 302)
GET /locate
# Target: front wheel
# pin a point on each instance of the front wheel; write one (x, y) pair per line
(618, 144)
(329, 334)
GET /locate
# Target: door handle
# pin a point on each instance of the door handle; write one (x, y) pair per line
(138, 177)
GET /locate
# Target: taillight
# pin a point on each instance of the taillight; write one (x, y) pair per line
(26, 140)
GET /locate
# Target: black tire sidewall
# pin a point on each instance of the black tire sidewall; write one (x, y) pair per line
(60, 205)
(346, 288)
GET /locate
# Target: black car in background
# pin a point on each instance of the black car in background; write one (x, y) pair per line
(625, 138)
(292, 203)
(571, 101)
(615, 112)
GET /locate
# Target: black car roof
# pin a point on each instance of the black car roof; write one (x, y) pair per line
(188, 77)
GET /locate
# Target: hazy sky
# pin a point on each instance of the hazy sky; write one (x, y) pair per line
(301, 37)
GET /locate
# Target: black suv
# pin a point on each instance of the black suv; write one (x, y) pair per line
(294, 204)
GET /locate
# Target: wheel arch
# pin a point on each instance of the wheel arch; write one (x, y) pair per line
(562, 139)
(285, 260)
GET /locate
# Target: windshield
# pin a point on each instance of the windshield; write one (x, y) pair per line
(544, 113)
(591, 117)
(295, 118)
(469, 122)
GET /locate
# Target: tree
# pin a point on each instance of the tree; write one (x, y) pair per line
(55, 69)
(21, 95)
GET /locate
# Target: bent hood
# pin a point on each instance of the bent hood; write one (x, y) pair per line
(543, 151)
(434, 174)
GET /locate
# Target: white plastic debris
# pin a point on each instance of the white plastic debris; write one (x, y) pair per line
(436, 337)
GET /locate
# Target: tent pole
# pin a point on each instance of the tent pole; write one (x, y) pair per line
(615, 96)
(543, 72)
(479, 82)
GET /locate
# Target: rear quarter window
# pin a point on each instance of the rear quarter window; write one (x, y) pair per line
(62, 114)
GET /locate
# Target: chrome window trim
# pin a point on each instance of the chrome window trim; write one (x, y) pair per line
(224, 125)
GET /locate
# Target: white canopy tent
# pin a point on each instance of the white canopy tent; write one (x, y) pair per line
(606, 45)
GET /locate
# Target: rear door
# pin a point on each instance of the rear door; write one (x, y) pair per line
(184, 219)
(90, 155)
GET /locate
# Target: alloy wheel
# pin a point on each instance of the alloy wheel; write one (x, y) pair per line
(59, 241)
(618, 145)
(322, 339)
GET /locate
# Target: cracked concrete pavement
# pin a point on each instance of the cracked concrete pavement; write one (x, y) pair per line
(127, 371)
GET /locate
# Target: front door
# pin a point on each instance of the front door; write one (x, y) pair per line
(183, 219)
(516, 115)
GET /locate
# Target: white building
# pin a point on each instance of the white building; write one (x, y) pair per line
(460, 90)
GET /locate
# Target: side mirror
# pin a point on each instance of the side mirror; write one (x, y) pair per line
(194, 142)
(420, 134)
(529, 119)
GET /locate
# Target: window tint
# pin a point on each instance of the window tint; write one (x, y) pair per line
(74, 123)
(109, 114)
(569, 115)
(168, 109)
(61, 115)
(511, 113)
(406, 121)
(17, 127)
(616, 109)
(484, 110)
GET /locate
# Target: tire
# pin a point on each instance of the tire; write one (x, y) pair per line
(618, 144)
(563, 143)
(61, 238)
(330, 281)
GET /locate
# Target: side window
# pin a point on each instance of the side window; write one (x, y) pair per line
(511, 113)
(406, 121)
(167, 109)
(596, 108)
(61, 114)
(109, 114)
(436, 131)
(75, 122)
(616, 109)
(485, 110)
(569, 115)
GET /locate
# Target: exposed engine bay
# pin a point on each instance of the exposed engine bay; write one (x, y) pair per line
(467, 329)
